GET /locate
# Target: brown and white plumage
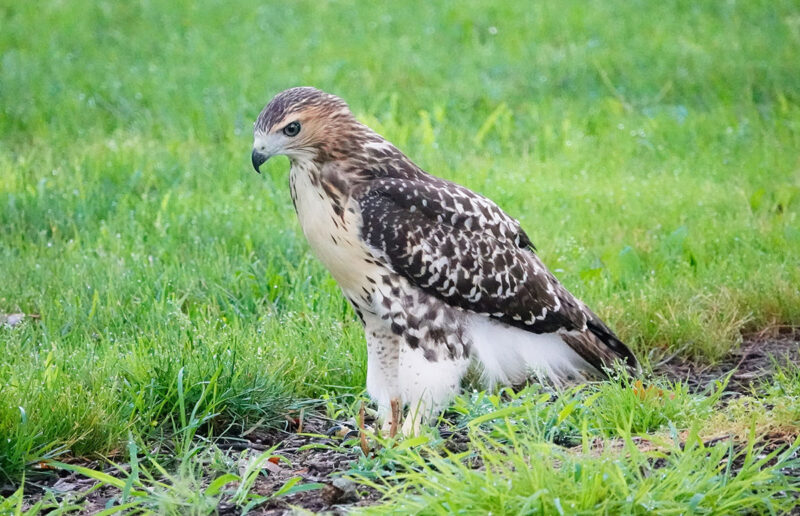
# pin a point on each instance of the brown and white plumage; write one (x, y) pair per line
(438, 274)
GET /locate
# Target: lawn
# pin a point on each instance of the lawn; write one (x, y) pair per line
(651, 150)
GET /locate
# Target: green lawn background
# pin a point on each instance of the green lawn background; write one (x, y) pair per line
(650, 149)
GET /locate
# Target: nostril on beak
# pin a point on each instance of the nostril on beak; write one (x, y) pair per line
(258, 160)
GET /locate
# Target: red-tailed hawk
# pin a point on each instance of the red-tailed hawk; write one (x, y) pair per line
(439, 275)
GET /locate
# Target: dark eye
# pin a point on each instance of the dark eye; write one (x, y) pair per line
(292, 129)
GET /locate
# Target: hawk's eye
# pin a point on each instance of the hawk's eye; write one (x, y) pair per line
(292, 129)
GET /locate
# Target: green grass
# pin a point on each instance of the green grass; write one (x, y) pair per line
(650, 149)
(598, 450)
(523, 475)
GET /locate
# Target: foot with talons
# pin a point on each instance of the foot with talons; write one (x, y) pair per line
(391, 425)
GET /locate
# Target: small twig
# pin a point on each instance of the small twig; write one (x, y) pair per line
(254, 427)
(240, 446)
(300, 421)
(745, 354)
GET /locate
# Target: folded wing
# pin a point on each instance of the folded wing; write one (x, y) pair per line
(462, 248)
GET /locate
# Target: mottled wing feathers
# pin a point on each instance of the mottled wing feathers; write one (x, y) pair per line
(464, 249)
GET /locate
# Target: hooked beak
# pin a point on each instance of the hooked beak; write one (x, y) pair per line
(258, 159)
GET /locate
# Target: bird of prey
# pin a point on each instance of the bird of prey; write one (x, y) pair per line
(439, 275)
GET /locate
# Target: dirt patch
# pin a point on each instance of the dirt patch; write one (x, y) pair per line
(752, 364)
(318, 456)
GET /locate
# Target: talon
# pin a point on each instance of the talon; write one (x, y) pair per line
(342, 432)
(339, 431)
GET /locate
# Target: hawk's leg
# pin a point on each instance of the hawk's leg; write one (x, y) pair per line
(394, 421)
(383, 355)
(415, 356)
(428, 380)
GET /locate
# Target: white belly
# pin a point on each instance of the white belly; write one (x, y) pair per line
(333, 238)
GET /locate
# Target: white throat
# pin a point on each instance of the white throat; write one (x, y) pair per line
(332, 234)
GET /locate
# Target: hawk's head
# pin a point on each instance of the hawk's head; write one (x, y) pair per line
(301, 123)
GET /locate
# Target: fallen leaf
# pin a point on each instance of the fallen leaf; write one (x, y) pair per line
(651, 391)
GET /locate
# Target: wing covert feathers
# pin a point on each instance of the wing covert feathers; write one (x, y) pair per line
(462, 248)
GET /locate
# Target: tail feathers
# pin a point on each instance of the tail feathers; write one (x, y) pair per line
(599, 346)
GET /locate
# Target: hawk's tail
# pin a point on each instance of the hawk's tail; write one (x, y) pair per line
(601, 348)
(620, 351)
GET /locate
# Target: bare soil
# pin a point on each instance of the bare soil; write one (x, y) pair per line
(751, 365)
